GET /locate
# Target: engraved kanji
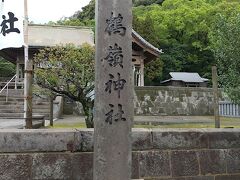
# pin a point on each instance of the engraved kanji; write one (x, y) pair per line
(115, 26)
(115, 56)
(117, 85)
(110, 117)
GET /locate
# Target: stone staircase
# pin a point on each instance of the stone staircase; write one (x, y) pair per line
(13, 107)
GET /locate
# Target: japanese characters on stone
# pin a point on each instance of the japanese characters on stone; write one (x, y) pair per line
(114, 25)
(115, 58)
(116, 85)
(115, 117)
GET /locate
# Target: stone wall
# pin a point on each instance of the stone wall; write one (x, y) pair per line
(159, 154)
(172, 101)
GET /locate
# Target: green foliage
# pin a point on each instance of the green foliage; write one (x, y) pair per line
(181, 28)
(153, 72)
(69, 71)
(146, 2)
(87, 13)
(148, 33)
(7, 69)
(73, 22)
(225, 39)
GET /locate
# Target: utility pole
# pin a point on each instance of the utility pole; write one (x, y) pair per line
(28, 74)
(215, 96)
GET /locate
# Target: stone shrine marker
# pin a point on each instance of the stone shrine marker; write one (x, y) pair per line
(113, 90)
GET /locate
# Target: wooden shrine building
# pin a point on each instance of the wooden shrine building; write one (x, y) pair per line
(41, 36)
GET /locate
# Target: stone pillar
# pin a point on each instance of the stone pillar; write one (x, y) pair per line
(113, 115)
(215, 96)
(51, 99)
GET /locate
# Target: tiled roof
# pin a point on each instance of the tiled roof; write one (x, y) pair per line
(146, 43)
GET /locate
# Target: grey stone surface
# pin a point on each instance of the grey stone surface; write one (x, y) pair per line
(224, 139)
(82, 166)
(15, 166)
(188, 178)
(135, 165)
(233, 161)
(113, 90)
(212, 162)
(187, 139)
(184, 163)
(51, 166)
(173, 101)
(66, 161)
(154, 164)
(35, 140)
(168, 179)
(228, 177)
(142, 140)
(81, 140)
(200, 178)
(84, 140)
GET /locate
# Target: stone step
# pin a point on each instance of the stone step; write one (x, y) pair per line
(8, 106)
(13, 92)
(11, 115)
(4, 103)
(19, 115)
(20, 106)
(22, 102)
(11, 98)
(20, 98)
(20, 110)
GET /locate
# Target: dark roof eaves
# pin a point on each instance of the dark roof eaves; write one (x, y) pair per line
(146, 43)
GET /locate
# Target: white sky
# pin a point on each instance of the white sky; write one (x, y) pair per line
(43, 11)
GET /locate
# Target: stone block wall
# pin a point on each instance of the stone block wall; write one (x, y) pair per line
(161, 100)
(159, 154)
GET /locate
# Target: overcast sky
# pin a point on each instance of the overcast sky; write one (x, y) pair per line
(43, 11)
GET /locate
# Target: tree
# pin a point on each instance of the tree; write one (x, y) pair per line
(146, 2)
(181, 28)
(153, 72)
(68, 71)
(87, 12)
(7, 69)
(225, 39)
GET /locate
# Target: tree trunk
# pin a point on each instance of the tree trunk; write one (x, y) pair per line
(88, 111)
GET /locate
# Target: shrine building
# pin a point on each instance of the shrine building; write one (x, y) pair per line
(41, 36)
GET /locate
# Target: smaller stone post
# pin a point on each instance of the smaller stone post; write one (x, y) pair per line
(215, 96)
(51, 110)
